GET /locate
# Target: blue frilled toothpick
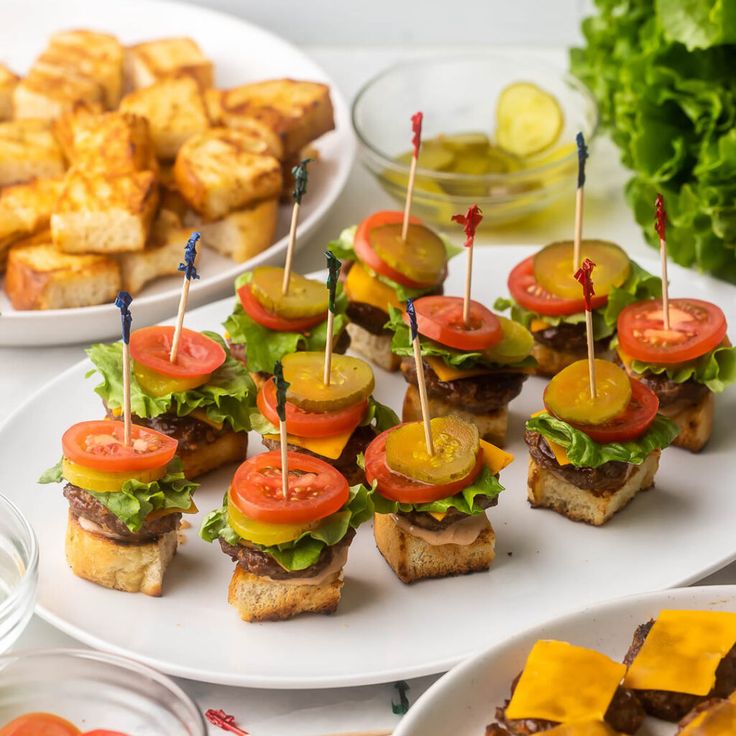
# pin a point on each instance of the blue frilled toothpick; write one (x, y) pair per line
(282, 386)
(582, 157)
(122, 302)
(421, 381)
(301, 179)
(333, 273)
(189, 269)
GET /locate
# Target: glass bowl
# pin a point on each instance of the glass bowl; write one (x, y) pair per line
(458, 94)
(95, 690)
(18, 573)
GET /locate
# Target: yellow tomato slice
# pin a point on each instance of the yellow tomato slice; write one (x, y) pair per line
(554, 272)
(103, 482)
(515, 345)
(156, 384)
(568, 397)
(261, 532)
(305, 298)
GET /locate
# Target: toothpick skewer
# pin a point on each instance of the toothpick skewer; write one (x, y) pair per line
(583, 275)
(299, 172)
(421, 381)
(122, 302)
(470, 221)
(333, 272)
(660, 225)
(281, 388)
(190, 272)
(582, 156)
(416, 140)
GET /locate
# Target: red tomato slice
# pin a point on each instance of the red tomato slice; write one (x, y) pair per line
(316, 489)
(99, 445)
(440, 318)
(696, 327)
(39, 724)
(398, 487)
(103, 732)
(527, 293)
(198, 355)
(632, 423)
(306, 423)
(365, 252)
(257, 312)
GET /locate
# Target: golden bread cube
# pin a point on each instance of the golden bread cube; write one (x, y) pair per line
(28, 150)
(174, 109)
(222, 170)
(164, 58)
(64, 126)
(46, 94)
(99, 213)
(8, 83)
(41, 277)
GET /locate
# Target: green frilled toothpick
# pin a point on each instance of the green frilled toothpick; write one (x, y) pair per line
(299, 172)
(122, 302)
(333, 273)
(281, 388)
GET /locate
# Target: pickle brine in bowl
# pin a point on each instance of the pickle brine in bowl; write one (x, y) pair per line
(499, 130)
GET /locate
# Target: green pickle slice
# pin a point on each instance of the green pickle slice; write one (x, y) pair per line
(421, 257)
(305, 298)
(515, 345)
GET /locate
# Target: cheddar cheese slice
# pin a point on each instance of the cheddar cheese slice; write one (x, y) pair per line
(717, 720)
(360, 286)
(330, 447)
(494, 457)
(683, 651)
(537, 325)
(582, 728)
(450, 373)
(565, 684)
(201, 416)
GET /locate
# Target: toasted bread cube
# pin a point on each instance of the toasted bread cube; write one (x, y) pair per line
(8, 83)
(66, 124)
(97, 213)
(165, 58)
(28, 150)
(298, 112)
(46, 94)
(40, 277)
(42, 237)
(175, 111)
(222, 170)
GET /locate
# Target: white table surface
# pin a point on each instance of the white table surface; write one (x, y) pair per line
(365, 709)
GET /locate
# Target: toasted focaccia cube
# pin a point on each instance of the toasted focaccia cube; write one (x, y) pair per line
(28, 150)
(40, 277)
(66, 124)
(8, 82)
(222, 170)
(45, 94)
(164, 58)
(98, 213)
(174, 109)
(298, 112)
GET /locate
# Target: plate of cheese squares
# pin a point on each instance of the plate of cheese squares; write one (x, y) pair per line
(126, 127)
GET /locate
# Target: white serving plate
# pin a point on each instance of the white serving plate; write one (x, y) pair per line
(241, 52)
(463, 701)
(545, 565)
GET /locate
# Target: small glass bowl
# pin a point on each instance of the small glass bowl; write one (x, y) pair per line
(458, 94)
(96, 690)
(18, 573)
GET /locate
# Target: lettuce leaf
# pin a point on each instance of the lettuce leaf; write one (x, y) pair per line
(136, 500)
(304, 551)
(583, 452)
(227, 397)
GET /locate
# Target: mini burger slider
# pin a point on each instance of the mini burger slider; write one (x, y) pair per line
(267, 324)
(382, 270)
(472, 371)
(289, 549)
(125, 504)
(334, 422)
(202, 400)
(431, 509)
(590, 456)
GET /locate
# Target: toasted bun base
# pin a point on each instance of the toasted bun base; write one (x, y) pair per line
(259, 599)
(231, 447)
(492, 426)
(547, 490)
(552, 361)
(695, 423)
(133, 568)
(377, 348)
(413, 559)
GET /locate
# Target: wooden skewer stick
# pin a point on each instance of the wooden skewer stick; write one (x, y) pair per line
(122, 302)
(583, 275)
(301, 178)
(333, 274)
(416, 139)
(470, 221)
(421, 381)
(582, 156)
(284, 458)
(328, 348)
(281, 388)
(660, 226)
(190, 272)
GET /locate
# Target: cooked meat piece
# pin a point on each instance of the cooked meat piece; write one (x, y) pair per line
(428, 522)
(568, 338)
(370, 318)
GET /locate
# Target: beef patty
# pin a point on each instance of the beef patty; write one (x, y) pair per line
(426, 521)
(568, 338)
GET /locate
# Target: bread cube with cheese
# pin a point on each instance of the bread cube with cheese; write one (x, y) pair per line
(8, 83)
(41, 277)
(175, 111)
(28, 150)
(223, 170)
(98, 213)
(165, 58)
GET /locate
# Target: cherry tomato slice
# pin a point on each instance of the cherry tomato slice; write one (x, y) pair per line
(633, 422)
(398, 487)
(99, 445)
(306, 423)
(198, 355)
(316, 489)
(39, 724)
(440, 318)
(365, 252)
(257, 312)
(527, 293)
(696, 327)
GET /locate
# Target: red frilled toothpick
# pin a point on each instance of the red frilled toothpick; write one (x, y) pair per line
(224, 721)
(583, 275)
(470, 221)
(660, 225)
(416, 141)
